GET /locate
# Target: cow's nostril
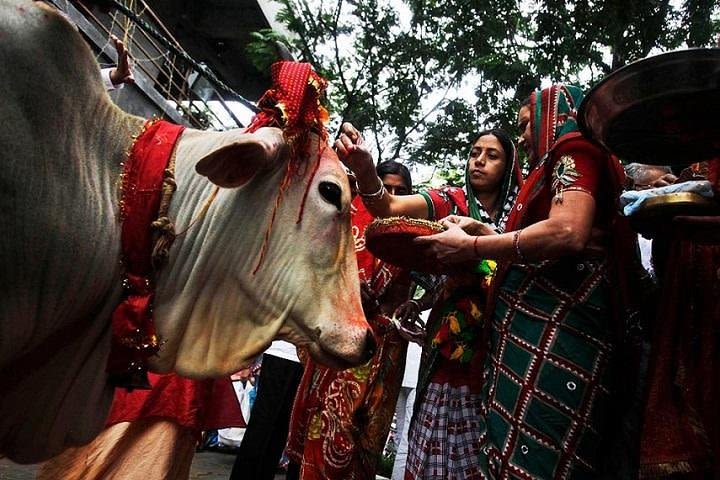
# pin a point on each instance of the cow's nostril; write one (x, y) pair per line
(370, 346)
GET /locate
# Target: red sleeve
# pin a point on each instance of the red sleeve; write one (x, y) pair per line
(577, 164)
(445, 201)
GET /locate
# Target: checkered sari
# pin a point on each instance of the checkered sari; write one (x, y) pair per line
(446, 434)
(549, 386)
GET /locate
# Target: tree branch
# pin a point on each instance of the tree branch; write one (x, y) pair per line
(416, 125)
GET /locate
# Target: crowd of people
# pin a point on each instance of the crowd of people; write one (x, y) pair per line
(540, 347)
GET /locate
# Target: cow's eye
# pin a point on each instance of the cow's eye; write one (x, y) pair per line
(331, 193)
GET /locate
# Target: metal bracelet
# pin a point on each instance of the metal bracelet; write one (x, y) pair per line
(516, 245)
(375, 195)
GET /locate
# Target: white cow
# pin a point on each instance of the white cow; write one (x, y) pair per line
(62, 143)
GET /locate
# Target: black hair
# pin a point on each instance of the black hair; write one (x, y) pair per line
(395, 168)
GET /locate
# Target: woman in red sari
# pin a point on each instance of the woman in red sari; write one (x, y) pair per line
(340, 419)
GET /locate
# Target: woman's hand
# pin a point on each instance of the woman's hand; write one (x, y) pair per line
(123, 72)
(408, 312)
(410, 326)
(370, 303)
(664, 181)
(469, 225)
(451, 247)
(351, 150)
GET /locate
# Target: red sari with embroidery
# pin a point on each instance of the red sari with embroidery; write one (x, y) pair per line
(340, 419)
(681, 431)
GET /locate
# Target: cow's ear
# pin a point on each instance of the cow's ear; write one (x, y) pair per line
(235, 164)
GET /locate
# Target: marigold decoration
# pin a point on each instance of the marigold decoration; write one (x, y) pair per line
(293, 104)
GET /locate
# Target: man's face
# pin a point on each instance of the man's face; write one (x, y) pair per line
(395, 184)
(525, 141)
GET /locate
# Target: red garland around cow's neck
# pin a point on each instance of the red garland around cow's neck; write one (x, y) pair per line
(133, 332)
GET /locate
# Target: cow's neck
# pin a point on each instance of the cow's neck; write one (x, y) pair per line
(217, 247)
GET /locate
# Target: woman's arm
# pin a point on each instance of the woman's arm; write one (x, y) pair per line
(565, 232)
(352, 152)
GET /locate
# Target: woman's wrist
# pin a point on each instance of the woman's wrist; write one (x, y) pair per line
(374, 193)
(519, 257)
(363, 167)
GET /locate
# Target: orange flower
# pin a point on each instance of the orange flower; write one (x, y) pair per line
(475, 311)
(454, 324)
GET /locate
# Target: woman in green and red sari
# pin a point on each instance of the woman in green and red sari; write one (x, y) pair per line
(552, 400)
(444, 433)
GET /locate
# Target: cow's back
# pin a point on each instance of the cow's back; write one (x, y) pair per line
(61, 149)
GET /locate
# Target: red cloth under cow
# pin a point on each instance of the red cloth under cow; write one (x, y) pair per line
(194, 404)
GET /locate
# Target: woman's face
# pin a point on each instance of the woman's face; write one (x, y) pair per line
(395, 184)
(525, 141)
(486, 165)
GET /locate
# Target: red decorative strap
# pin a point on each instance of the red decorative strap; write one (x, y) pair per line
(133, 332)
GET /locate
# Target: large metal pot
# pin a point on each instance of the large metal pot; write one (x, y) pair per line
(661, 110)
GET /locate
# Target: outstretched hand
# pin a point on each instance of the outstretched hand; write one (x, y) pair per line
(451, 247)
(410, 326)
(123, 72)
(408, 312)
(351, 150)
(469, 225)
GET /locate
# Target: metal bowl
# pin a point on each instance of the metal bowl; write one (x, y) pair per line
(661, 110)
(655, 216)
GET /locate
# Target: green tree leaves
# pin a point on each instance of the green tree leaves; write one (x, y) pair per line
(421, 76)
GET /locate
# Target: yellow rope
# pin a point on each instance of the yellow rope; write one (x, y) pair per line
(165, 228)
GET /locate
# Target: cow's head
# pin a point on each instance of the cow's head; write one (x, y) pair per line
(249, 278)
